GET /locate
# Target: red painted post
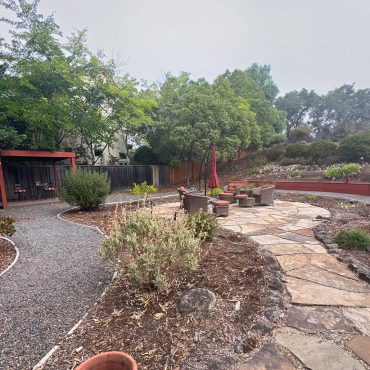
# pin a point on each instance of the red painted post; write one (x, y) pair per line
(2, 187)
(73, 160)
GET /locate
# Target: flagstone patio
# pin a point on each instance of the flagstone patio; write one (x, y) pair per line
(326, 298)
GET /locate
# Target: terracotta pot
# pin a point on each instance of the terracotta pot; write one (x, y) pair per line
(109, 361)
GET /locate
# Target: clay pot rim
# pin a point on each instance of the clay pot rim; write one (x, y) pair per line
(102, 355)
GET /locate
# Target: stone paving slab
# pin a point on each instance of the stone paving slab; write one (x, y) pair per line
(309, 293)
(271, 239)
(316, 319)
(268, 358)
(316, 353)
(361, 346)
(360, 317)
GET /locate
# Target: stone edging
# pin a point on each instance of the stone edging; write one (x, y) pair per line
(333, 248)
(16, 255)
(48, 355)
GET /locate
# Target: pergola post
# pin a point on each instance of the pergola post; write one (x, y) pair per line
(2, 187)
(73, 160)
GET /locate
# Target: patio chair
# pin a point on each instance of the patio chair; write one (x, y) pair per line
(194, 203)
(264, 195)
(182, 191)
(19, 190)
(48, 189)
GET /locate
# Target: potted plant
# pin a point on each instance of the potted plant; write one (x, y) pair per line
(109, 361)
(247, 189)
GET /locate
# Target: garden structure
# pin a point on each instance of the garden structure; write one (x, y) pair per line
(9, 183)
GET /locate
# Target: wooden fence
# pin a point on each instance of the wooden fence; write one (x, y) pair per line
(121, 177)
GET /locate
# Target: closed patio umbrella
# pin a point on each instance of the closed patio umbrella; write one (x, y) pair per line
(213, 181)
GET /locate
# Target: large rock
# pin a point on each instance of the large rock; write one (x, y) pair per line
(316, 353)
(197, 299)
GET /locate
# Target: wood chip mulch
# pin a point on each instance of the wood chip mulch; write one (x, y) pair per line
(7, 254)
(148, 326)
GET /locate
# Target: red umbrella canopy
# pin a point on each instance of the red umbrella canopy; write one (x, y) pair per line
(213, 181)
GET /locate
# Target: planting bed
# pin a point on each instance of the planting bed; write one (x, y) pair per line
(7, 254)
(148, 326)
(345, 215)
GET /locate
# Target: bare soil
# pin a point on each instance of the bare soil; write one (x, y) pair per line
(148, 326)
(345, 215)
(7, 254)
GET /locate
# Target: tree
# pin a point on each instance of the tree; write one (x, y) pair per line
(192, 115)
(297, 106)
(300, 133)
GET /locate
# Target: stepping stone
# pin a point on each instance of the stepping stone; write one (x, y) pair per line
(292, 249)
(311, 320)
(305, 232)
(305, 292)
(360, 317)
(298, 238)
(316, 248)
(330, 263)
(315, 353)
(291, 262)
(250, 228)
(270, 239)
(268, 358)
(235, 228)
(361, 346)
(323, 277)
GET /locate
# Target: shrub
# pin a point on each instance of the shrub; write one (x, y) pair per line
(7, 226)
(354, 238)
(296, 150)
(214, 192)
(295, 174)
(143, 190)
(274, 153)
(342, 172)
(355, 147)
(258, 161)
(156, 250)
(203, 225)
(300, 134)
(333, 173)
(85, 189)
(321, 149)
(351, 169)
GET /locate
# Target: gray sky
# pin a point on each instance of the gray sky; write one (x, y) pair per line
(317, 44)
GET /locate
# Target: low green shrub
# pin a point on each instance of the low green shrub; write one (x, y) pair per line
(7, 226)
(248, 186)
(274, 153)
(203, 225)
(295, 174)
(320, 150)
(156, 250)
(353, 239)
(351, 169)
(291, 161)
(214, 192)
(143, 190)
(355, 147)
(296, 150)
(342, 172)
(85, 189)
(258, 161)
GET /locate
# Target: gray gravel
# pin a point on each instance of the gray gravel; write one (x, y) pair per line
(58, 276)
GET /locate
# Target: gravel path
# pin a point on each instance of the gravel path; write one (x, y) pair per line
(354, 197)
(58, 276)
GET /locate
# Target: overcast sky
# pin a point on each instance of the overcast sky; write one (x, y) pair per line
(317, 44)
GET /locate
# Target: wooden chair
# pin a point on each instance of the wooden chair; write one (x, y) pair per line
(19, 190)
(194, 203)
(48, 189)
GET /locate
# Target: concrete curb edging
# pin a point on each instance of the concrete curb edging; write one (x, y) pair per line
(16, 255)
